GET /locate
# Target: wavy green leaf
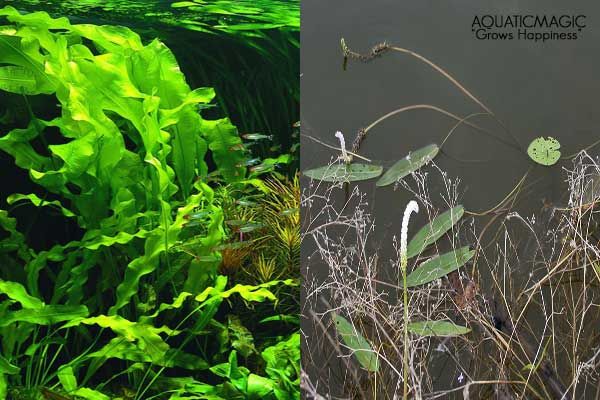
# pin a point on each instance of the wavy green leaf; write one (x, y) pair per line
(47, 315)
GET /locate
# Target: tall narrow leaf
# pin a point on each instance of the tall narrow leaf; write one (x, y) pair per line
(409, 164)
(439, 266)
(360, 347)
(434, 230)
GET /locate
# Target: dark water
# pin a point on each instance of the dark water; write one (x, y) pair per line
(535, 89)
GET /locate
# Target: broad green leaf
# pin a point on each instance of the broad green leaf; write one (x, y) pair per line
(18, 80)
(146, 336)
(17, 292)
(36, 201)
(439, 266)
(437, 328)
(544, 151)
(90, 394)
(359, 346)
(67, 378)
(434, 230)
(47, 315)
(345, 172)
(223, 141)
(409, 164)
(7, 368)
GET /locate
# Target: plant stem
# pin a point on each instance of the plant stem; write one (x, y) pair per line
(411, 207)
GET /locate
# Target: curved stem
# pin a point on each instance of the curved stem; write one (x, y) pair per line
(442, 111)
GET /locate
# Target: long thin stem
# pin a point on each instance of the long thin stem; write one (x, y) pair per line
(411, 207)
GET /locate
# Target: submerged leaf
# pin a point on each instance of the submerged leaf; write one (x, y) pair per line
(357, 343)
(16, 79)
(345, 172)
(409, 164)
(544, 151)
(434, 230)
(437, 328)
(439, 266)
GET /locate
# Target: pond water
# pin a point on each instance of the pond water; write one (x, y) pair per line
(534, 89)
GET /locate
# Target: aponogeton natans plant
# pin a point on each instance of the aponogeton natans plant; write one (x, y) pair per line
(129, 168)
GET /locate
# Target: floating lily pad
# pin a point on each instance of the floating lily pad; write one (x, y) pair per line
(544, 151)
(434, 230)
(437, 328)
(345, 172)
(439, 266)
(361, 349)
(409, 164)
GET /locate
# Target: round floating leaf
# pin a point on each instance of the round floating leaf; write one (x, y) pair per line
(544, 151)
(345, 172)
(439, 266)
(437, 328)
(357, 343)
(409, 164)
(434, 230)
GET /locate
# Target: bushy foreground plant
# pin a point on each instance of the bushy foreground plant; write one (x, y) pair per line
(124, 160)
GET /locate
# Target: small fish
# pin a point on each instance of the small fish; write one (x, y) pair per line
(262, 168)
(196, 215)
(209, 258)
(257, 136)
(250, 227)
(235, 222)
(296, 124)
(289, 211)
(237, 147)
(245, 203)
(248, 163)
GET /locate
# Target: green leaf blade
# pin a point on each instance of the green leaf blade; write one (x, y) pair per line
(357, 343)
(439, 266)
(442, 328)
(431, 232)
(344, 172)
(409, 164)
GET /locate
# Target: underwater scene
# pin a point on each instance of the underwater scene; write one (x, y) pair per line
(149, 211)
(450, 196)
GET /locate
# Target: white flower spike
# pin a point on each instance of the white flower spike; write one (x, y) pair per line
(411, 207)
(340, 136)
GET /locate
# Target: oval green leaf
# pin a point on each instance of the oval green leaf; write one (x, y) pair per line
(439, 266)
(357, 343)
(437, 328)
(544, 151)
(434, 230)
(409, 164)
(345, 172)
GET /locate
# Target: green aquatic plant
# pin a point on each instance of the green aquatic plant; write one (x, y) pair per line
(124, 158)
(359, 346)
